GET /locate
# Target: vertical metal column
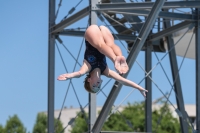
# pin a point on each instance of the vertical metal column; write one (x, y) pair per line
(92, 97)
(51, 67)
(176, 78)
(148, 86)
(144, 32)
(197, 29)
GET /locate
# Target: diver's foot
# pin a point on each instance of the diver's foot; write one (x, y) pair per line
(123, 65)
(118, 64)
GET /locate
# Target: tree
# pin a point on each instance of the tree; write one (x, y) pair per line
(80, 125)
(132, 118)
(1, 129)
(41, 124)
(169, 124)
(14, 125)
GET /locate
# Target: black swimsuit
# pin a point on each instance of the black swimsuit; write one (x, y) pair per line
(94, 58)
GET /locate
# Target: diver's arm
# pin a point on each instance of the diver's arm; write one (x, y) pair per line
(84, 69)
(124, 81)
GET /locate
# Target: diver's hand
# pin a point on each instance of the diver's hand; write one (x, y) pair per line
(64, 76)
(143, 92)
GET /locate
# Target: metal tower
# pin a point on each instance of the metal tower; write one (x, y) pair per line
(139, 36)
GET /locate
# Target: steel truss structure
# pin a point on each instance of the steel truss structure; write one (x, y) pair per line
(138, 37)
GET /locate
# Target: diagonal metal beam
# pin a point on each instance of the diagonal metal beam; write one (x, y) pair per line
(74, 18)
(176, 79)
(147, 5)
(130, 60)
(170, 30)
(170, 15)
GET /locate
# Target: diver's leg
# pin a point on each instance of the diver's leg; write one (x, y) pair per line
(95, 37)
(120, 61)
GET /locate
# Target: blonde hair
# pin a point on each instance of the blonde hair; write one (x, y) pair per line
(87, 84)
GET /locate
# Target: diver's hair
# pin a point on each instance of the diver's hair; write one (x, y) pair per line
(87, 84)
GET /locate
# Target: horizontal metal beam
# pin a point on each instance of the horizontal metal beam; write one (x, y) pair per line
(79, 15)
(130, 18)
(170, 30)
(147, 5)
(81, 34)
(170, 15)
(116, 37)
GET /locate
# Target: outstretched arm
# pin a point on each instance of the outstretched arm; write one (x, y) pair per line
(85, 68)
(124, 81)
(69, 75)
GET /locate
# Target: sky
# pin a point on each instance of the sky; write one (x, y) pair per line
(24, 64)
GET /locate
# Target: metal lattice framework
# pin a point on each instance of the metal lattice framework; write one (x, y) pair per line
(139, 35)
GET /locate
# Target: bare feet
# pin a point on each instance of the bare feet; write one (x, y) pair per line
(117, 64)
(121, 65)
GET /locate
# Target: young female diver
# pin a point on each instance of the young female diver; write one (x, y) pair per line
(100, 43)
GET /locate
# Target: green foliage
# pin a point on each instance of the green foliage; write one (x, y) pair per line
(168, 124)
(132, 118)
(133, 114)
(1, 129)
(41, 124)
(14, 125)
(80, 125)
